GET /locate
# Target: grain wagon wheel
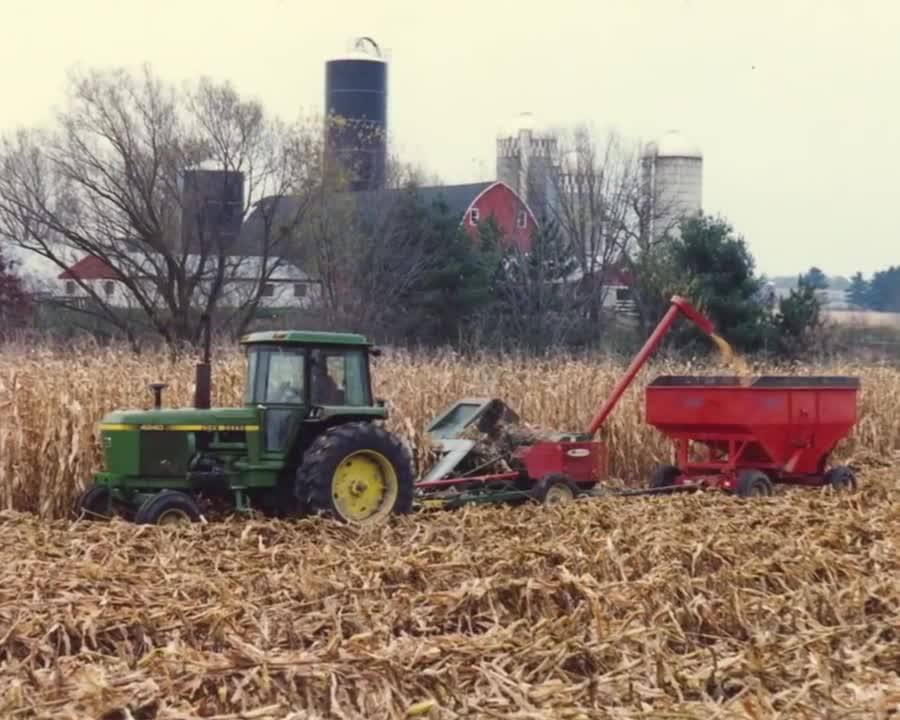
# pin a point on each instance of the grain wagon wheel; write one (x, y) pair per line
(357, 473)
(753, 483)
(841, 479)
(169, 507)
(664, 476)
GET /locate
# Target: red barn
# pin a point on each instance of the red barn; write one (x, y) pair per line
(474, 203)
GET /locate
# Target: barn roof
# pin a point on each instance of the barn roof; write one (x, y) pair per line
(90, 267)
(368, 204)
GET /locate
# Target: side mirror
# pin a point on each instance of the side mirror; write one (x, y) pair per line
(375, 351)
(379, 402)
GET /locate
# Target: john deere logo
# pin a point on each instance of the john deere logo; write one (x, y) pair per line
(578, 452)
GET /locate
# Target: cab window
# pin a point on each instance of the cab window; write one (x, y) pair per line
(339, 377)
(276, 376)
(285, 381)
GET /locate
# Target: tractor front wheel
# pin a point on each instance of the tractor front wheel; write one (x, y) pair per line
(841, 479)
(753, 483)
(358, 473)
(94, 504)
(169, 507)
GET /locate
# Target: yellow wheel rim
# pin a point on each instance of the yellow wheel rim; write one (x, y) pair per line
(364, 487)
(558, 494)
(173, 517)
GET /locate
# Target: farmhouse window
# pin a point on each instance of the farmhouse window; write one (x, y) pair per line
(70, 287)
(623, 294)
(521, 220)
(109, 287)
(473, 216)
(299, 290)
(268, 290)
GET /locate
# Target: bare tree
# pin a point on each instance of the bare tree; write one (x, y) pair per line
(594, 189)
(370, 248)
(109, 182)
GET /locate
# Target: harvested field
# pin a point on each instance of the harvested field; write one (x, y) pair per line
(51, 402)
(678, 607)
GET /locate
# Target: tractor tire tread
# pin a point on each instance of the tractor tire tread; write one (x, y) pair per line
(314, 476)
(88, 500)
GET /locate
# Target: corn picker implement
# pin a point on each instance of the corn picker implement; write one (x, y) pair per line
(550, 468)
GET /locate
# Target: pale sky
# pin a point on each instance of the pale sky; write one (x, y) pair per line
(794, 103)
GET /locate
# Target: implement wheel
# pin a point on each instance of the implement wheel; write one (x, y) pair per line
(169, 507)
(357, 473)
(554, 490)
(664, 476)
(753, 483)
(841, 479)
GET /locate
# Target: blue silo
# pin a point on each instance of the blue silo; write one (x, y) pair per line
(356, 105)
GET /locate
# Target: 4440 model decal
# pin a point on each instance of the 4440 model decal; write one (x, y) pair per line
(184, 428)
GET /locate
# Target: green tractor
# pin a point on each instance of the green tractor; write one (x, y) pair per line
(308, 440)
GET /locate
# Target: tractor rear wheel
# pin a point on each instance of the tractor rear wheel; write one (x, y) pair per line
(555, 490)
(358, 473)
(664, 476)
(169, 507)
(753, 483)
(841, 479)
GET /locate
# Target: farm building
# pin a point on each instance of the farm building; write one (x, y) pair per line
(288, 285)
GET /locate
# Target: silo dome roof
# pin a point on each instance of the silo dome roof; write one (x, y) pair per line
(364, 48)
(522, 121)
(673, 144)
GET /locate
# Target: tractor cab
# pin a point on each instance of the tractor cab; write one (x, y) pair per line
(296, 378)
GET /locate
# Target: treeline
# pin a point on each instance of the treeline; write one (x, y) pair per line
(880, 293)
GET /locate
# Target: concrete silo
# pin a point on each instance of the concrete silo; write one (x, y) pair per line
(525, 161)
(672, 171)
(356, 106)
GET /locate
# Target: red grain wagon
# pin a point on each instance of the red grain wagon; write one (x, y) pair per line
(774, 429)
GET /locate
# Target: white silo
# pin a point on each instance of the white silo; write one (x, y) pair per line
(525, 156)
(673, 180)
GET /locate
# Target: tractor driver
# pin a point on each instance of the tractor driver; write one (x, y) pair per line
(325, 390)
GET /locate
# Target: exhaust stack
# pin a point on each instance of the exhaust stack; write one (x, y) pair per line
(203, 376)
(157, 389)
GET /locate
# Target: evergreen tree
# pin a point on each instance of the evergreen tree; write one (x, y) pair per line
(884, 290)
(816, 279)
(797, 320)
(859, 291)
(14, 302)
(716, 271)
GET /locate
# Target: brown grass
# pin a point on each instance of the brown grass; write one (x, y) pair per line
(51, 402)
(678, 607)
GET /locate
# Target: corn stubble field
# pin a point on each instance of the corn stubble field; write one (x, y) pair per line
(679, 607)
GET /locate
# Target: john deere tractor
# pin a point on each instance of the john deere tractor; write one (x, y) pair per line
(308, 439)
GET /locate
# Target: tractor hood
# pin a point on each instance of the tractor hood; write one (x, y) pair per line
(182, 419)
